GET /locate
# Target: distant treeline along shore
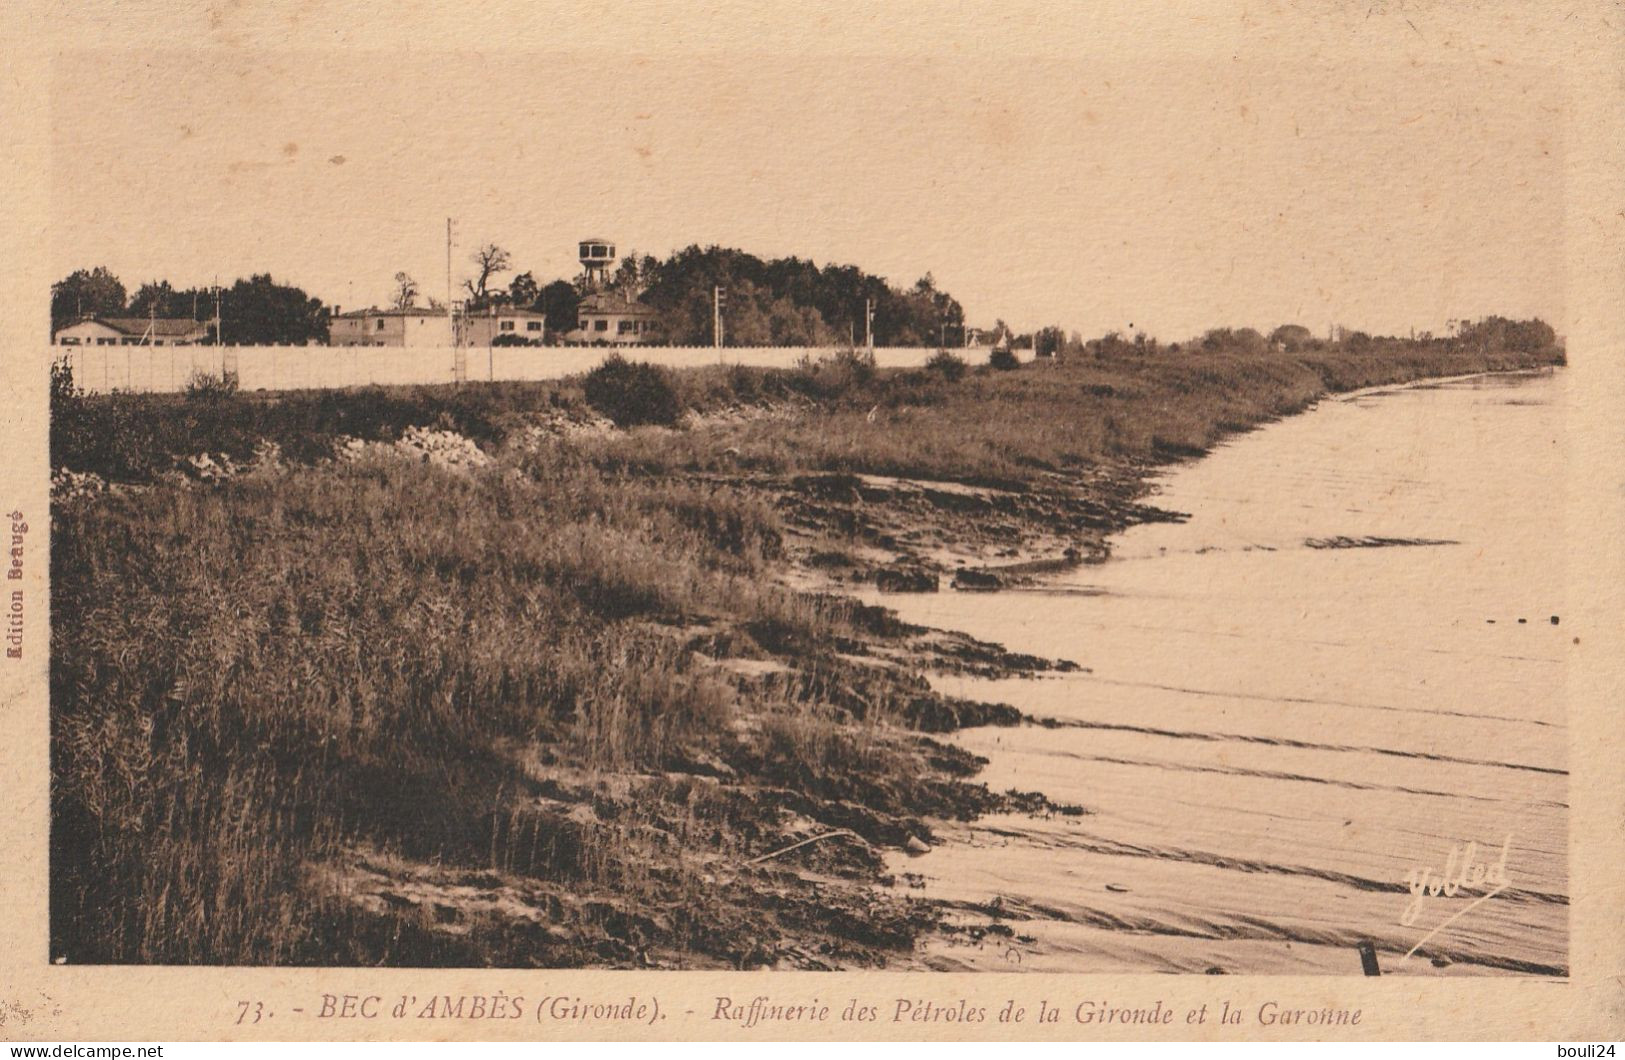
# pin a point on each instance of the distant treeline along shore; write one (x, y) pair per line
(779, 302)
(694, 297)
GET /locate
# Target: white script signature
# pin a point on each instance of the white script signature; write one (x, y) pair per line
(1463, 874)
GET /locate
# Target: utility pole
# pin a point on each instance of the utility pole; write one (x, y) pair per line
(716, 315)
(451, 323)
(869, 323)
(228, 358)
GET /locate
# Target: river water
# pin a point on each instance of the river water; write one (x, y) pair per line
(1349, 660)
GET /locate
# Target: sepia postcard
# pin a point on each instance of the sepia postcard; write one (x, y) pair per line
(745, 521)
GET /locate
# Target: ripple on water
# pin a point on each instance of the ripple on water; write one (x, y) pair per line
(1312, 689)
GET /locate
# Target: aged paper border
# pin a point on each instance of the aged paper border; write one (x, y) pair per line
(1580, 42)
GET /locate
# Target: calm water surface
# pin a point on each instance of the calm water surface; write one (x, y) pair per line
(1342, 665)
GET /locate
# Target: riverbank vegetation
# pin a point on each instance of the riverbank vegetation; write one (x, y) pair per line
(326, 695)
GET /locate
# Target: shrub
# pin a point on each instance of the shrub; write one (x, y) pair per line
(1250, 340)
(858, 364)
(204, 386)
(69, 420)
(833, 374)
(63, 388)
(744, 383)
(112, 436)
(1292, 337)
(633, 394)
(949, 365)
(1003, 359)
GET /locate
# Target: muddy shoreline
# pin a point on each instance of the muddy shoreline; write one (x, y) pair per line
(1018, 904)
(926, 537)
(757, 834)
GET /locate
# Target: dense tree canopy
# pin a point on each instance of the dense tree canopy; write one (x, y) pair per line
(523, 292)
(1523, 336)
(791, 301)
(83, 293)
(157, 298)
(1292, 336)
(255, 311)
(559, 300)
(260, 311)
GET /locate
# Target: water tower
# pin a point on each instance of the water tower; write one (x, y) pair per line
(597, 255)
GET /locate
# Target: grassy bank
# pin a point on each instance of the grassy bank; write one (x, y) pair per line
(565, 704)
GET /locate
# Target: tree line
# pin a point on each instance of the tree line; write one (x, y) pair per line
(766, 302)
(1484, 335)
(253, 312)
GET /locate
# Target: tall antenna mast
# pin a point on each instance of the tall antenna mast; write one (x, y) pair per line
(451, 324)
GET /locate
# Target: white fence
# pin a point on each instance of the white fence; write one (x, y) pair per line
(167, 369)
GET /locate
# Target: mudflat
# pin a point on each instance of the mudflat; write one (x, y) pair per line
(1285, 749)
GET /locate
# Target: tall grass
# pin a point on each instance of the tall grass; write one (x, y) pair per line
(1011, 428)
(247, 679)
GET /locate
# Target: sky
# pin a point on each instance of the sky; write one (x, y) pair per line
(1163, 193)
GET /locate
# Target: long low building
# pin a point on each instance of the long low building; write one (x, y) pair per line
(132, 331)
(388, 327)
(427, 327)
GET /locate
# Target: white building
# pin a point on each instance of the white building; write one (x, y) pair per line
(609, 318)
(132, 331)
(427, 327)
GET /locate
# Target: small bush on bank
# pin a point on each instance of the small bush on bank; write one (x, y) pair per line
(833, 375)
(204, 386)
(857, 364)
(63, 388)
(1003, 359)
(633, 394)
(744, 383)
(70, 422)
(947, 364)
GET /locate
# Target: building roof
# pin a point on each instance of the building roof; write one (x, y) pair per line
(415, 311)
(507, 311)
(163, 327)
(609, 302)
